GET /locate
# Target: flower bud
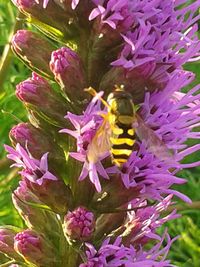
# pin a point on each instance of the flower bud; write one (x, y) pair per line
(7, 242)
(33, 50)
(53, 20)
(27, 135)
(68, 72)
(54, 193)
(79, 224)
(24, 4)
(37, 94)
(29, 208)
(37, 142)
(34, 248)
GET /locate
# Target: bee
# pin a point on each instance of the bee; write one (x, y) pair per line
(120, 128)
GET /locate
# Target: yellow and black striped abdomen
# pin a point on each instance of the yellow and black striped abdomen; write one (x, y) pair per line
(122, 140)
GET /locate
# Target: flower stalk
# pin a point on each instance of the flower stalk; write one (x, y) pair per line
(91, 167)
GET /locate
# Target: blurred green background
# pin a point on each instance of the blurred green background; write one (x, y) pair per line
(185, 252)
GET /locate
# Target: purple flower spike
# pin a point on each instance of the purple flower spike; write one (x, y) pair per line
(113, 219)
(79, 224)
(34, 170)
(86, 126)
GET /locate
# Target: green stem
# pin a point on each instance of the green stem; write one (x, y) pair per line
(4, 163)
(7, 56)
(194, 205)
(72, 257)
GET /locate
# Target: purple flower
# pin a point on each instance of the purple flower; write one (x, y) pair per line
(86, 126)
(79, 224)
(175, 115)
(148, 173)
(159, 31)
(172, 118)
(34, 170)
(114, 13)
(141, 224)
(39, 180)
(117, 254)
(62, 59)
(141, 45)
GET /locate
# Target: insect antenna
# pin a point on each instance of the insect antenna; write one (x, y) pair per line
(94, 93)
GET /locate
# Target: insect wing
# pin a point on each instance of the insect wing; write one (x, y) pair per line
(100, 143)
(102, 136)
(152, 141)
